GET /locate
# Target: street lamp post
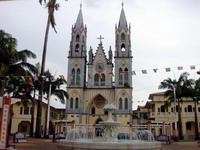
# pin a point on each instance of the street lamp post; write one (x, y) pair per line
(175, 122)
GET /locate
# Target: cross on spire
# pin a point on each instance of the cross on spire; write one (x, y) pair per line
(122, 4)
(100, 38)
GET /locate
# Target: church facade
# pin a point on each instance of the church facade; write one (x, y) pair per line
(95, 80)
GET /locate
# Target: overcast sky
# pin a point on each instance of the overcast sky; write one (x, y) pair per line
(165, 33)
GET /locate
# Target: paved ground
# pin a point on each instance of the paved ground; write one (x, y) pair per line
(42, 144)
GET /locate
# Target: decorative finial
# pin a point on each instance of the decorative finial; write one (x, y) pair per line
(122, 4)
(80, 5)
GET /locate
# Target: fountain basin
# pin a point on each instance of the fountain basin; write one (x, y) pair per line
(96, 144)
(109, 123)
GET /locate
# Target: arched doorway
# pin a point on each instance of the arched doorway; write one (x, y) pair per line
(98, 130)
(95, 109)
(24, 126)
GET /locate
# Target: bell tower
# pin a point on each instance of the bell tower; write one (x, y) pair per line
(77, 60)
(123, 55)
(123, 66)
(77, 54)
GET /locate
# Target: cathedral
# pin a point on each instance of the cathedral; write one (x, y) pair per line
(95, 79)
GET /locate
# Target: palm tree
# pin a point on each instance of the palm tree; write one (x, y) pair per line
(61, 94)
(178, 87)
(192, 90)
(52, 6)
(13, 62)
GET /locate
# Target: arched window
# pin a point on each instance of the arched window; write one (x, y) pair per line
(77, 48)
(189, 108)
(126, 76)
(71, 103)
(185, 109)
(93, 111)
(120, 104)
(120, 77)
(176, 108)
(96, 79)
(122, 36)
(78, 77)
(77, 38)
(126, 104)
(188, 125)
(162, 108)
(123, 47)
(103, 79)
(73, 77)
(76, 103)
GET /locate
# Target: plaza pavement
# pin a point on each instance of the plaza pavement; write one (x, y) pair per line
(46, 144)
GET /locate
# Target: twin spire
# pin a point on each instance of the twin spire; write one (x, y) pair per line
(122, 20)
(79, 22)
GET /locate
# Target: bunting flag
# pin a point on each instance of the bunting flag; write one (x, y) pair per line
(89, 77)
(155, 70)
(144, 71)
(35, 78)
(70, 75)
(80, 77)
(22, 78)
(29, 78)
(52, 78)
(111, 74)
(180, 68)
(100, 76)
(121, 73)
(167, 69)
(133, 73)
(62, 77)
(192, 67)
(43, 78)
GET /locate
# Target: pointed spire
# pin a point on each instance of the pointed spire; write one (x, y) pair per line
(122, 19)
(79, 22)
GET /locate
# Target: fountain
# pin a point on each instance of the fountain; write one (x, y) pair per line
(79, 139)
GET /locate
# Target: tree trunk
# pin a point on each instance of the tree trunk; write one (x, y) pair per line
(39, 110)
(196, 120)
(180, 132)
(1, 88)
(32, 116)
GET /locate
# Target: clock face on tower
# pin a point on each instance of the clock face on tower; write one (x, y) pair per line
(99, 67)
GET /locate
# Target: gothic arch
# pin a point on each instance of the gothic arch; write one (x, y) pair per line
(75, 64)
(123, 47)
(77, 48)
(74, 94)
(123, 93)
(97, 97)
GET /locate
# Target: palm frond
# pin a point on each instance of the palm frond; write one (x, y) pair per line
(31, 68)
(23, 55)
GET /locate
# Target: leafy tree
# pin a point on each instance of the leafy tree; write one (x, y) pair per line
(192, 90)
(13, 62)
(178, 87)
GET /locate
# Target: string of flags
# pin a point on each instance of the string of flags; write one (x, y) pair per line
(99, 74)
